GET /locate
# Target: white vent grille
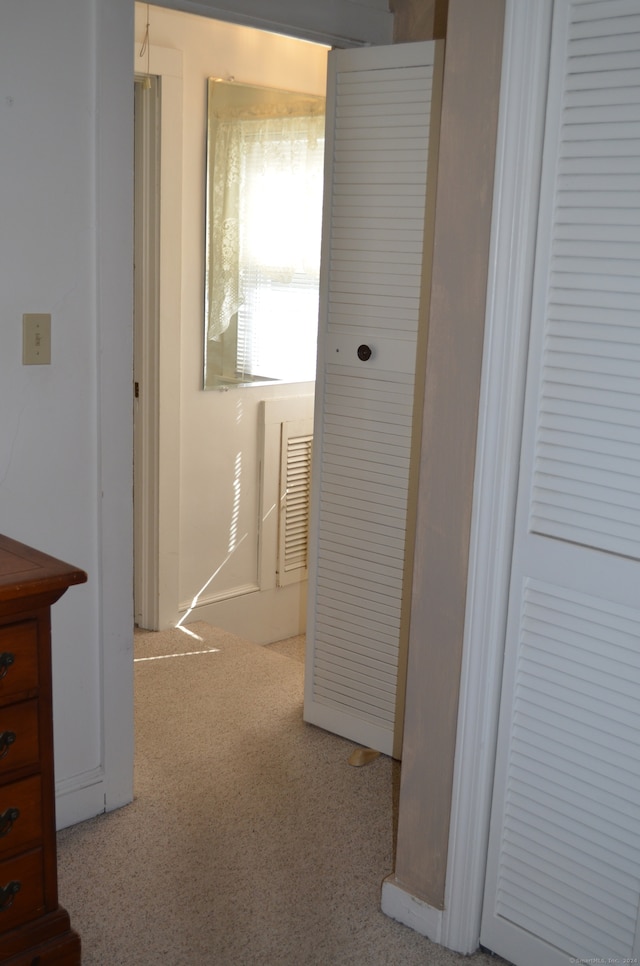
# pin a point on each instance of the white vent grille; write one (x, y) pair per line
(287, 440)
(587, 459)
(295, 498)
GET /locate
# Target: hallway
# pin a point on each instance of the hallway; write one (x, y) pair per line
(250, 839)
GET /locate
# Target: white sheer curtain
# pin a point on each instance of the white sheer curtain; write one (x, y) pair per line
(266, 186)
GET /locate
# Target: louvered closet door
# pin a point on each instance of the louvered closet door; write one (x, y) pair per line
(563, 881)
(378, 119)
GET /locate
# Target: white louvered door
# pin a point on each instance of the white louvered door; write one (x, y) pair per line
(378, 121)
(563, 877)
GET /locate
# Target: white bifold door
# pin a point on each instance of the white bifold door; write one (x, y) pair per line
(379, 111)
(563, 879)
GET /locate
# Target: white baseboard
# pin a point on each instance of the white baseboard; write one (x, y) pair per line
(273, 615)
(79, 798)
(402, 906)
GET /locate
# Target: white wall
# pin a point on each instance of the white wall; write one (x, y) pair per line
(219, 470)
(66, 148)
(65, 435)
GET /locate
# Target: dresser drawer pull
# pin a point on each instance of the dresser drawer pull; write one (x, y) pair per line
(7, 819)
(7, 738)
(6, 660)
(8, 894)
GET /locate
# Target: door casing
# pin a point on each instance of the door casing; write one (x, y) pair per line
(157, 361)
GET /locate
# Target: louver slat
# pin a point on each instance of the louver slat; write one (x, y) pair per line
(590, 389)
(293, 543)
(573, 784)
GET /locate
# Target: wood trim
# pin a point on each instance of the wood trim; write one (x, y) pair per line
(419, 20)
(454, 359)
(419, 391)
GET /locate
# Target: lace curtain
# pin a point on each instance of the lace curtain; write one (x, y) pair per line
(266, 183)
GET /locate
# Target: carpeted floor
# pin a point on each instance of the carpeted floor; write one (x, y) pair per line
(251, 840)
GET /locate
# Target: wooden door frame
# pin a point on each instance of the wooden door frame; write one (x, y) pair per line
(513, 235)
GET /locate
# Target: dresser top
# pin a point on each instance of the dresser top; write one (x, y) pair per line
(26, 572)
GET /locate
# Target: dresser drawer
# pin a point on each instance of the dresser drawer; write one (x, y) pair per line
(18, 658)
(18, 736)
(21, 889)
(20, 815)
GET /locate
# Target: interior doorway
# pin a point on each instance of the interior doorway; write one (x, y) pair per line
(197, 452)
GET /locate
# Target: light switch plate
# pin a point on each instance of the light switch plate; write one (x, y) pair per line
(36, 339)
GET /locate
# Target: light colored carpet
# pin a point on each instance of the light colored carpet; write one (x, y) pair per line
(251, 840)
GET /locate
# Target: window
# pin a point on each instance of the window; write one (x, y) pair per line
(264, 219)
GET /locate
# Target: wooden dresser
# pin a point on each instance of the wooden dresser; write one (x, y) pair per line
(34, 930)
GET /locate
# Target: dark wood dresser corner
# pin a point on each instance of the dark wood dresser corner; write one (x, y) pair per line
(34, 929)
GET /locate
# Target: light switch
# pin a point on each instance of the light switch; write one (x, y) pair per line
(36, 340)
